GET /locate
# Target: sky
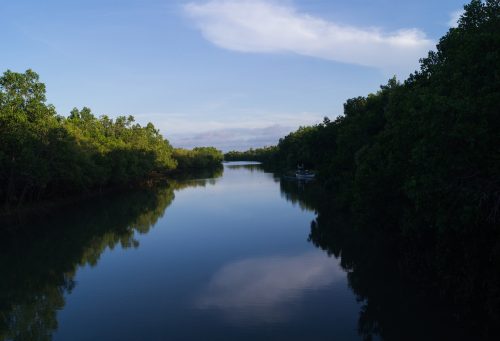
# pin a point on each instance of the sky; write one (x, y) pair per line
(233, 74)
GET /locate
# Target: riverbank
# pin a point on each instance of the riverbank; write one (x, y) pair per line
(13, 216)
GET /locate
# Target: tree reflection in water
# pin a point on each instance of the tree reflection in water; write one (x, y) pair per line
(412, 287)
(38, 262)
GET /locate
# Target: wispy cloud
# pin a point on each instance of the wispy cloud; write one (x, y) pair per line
(261, 289)
(248, 128)
(233, 138)
(454, 17)
(270, 26)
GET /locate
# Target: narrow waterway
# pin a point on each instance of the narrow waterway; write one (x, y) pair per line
(225, 257)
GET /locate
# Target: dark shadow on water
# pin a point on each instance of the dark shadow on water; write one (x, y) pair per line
(300, 193)
(200, 174)
(38, 261)
(399, 279)
(252, 166)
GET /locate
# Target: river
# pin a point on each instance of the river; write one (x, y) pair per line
(234, 255)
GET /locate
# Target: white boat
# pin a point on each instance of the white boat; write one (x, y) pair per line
(304, 174)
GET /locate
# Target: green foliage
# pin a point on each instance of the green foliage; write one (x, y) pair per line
(119, 150)
(265, 154)
(425, 151)
(43, 155)
(197, 158)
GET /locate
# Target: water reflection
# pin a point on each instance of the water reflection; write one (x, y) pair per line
(200, 176)
(399, 279)
(290, 284)
(301, 193)
(262, 289)
(38, 261)
(246, 165)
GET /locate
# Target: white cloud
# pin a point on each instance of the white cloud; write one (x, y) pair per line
(261, 289)
(454, 17)
(267, 27)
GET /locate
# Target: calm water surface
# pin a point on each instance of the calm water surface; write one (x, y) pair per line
(223, 258)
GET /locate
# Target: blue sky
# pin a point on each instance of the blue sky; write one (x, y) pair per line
(230, 73)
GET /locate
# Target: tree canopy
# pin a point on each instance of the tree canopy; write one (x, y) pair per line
(45, 155)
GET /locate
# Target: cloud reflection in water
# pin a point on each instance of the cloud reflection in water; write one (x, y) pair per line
(263, 289)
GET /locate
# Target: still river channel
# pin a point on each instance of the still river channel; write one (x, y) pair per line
(225, 256)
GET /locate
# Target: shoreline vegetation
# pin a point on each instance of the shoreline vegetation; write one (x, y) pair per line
(430, 143)
(50, 208)
(416, 166)
(46, 157)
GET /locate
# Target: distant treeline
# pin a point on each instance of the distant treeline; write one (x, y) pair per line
(197, 158)
(423, 156)
(45, 155)
(265, 154)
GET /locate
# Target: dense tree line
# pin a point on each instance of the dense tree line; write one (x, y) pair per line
(264, 154)
(45, 155)
(197, 158)
(426, 151)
